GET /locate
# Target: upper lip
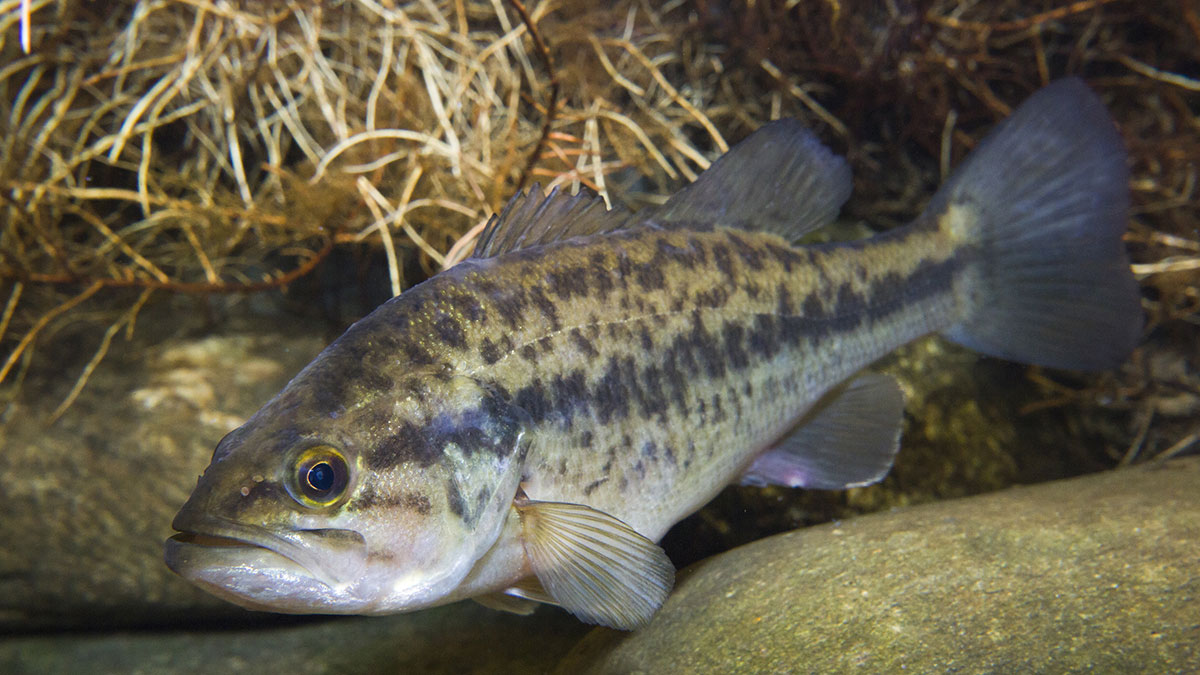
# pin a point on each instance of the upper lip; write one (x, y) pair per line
(220, 528)
(299, 546)
(209, 530)
(201, 539)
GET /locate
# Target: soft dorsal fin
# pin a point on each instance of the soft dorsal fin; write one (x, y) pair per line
(848, 440)
(780, 179)
(593, 565)
(533, 218)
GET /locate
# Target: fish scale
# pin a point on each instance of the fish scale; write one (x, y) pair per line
(679, 376)
(523, 427)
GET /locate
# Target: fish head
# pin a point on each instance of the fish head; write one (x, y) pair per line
(378, 507)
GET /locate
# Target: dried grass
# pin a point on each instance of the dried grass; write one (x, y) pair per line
(190, 145)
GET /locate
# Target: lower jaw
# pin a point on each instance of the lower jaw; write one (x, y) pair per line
(249, 576)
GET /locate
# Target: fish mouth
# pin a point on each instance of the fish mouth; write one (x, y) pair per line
(294, 571)
(210, 540)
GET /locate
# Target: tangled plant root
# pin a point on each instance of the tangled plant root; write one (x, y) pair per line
(184, 146)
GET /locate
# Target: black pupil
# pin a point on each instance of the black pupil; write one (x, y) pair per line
(320, 477)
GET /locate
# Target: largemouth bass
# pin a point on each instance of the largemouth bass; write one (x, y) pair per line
(524, 426)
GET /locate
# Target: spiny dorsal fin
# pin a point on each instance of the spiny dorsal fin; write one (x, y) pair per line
(780, 179)
(593, 565)
(848, 440)
(534, 218)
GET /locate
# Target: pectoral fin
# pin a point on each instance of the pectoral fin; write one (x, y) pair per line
(848, 440)
(593, 565)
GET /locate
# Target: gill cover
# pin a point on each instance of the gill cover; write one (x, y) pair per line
(467, 455)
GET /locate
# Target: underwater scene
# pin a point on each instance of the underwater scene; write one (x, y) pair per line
(561, 337)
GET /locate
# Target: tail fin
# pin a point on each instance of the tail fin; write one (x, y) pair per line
(1050, 282)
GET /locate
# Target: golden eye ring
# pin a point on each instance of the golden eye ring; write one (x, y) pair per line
(320, 477)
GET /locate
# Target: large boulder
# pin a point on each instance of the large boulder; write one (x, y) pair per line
(1100, 572)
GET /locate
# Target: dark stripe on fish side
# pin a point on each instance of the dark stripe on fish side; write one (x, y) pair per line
(488, 428)
(489, 351)
(406, 445)
(508, 302)
(649, 384)
(583, 344)
(753, 256)
(347, 367)
(568, 282)
(650, 372)
(371, 498)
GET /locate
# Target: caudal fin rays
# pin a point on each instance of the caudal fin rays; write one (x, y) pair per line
(1047, 195)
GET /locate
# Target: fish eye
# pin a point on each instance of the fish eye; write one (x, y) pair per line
(320, 478)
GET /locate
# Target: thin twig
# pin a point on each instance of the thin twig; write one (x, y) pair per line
(808, 101)
(385, 233)
(1022, 24)
(1176, 79)
(551, 104)
(1146, 415)
(38, 325)
(463, 247)
(80, 382)
(190, 287)
(1166, 265)
(1179, 446)
(9, 307)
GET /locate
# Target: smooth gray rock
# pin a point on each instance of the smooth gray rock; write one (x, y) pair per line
(88, 499)
(1096, 573)
(461, 638)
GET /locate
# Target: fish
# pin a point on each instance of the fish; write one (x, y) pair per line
(523, 427)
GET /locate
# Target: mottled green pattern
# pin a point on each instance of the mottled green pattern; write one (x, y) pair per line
(543, 412)
(654, 364)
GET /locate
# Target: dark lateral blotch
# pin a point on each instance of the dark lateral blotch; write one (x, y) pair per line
(408, 444)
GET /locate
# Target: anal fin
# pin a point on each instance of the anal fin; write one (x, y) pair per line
(593, 565)
(849, 439)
